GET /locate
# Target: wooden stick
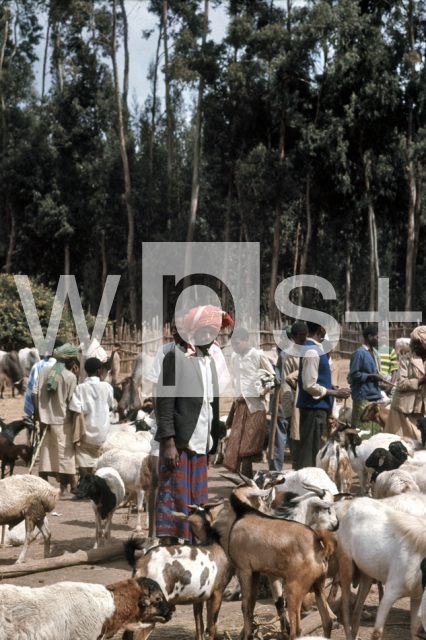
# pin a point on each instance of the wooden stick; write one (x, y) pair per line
(3, 535)
(274, 423)
(66, 560)
(37, 451)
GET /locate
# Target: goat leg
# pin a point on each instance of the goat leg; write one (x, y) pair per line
(29, 528)
(43, 525)
(198, 617)
(277, 595)
(323, 608)
(213, 608)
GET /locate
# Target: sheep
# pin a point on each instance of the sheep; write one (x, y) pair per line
(387, 546)
(80, 611)
(126, 427)
(15, 536)
(333, 458)
(359, 455)
(29, 498)
(189, 574)
(138, 442)
(392, 483)
(413, 502)
(128, 465)
(282, 549)
(375, 412)
(106, 491)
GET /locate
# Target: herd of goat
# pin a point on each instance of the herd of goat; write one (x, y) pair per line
(291, 531)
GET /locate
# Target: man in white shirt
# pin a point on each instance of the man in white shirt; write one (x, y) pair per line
(188, 421)
(247, 418)
(91, 402)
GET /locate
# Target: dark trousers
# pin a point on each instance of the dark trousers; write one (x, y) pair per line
(312, 424)
(277, 462)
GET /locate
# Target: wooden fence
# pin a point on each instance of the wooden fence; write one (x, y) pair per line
(150, 339)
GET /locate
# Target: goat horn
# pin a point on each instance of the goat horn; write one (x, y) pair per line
(194, 506)
(246, 480)
(320, 492)
(230, 478)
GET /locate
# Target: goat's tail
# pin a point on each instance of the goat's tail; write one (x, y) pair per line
(327, 543)
(130, 547)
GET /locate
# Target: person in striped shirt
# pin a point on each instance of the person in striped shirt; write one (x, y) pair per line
(388, 366)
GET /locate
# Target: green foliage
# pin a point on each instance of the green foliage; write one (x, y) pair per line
(14, 330)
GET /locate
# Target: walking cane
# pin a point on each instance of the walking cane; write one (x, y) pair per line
(274, 422)
(37, 451)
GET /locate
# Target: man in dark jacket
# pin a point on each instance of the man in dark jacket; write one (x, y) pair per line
(188, 421)
(365, 378)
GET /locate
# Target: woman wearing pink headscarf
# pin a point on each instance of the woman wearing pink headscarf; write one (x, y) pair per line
(188, 420)
(409, 400)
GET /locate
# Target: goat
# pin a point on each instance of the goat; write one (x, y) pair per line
(128, 465)
(387, 546)
(106, 491)
(130, 402)
(189, 574)
(80, 611)
(333, 458)
(384, 460)
(282, 549)
(359, 455)
(9, 453)
(29, 498)
(375, 412)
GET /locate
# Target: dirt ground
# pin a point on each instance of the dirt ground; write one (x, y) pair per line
(72, 527)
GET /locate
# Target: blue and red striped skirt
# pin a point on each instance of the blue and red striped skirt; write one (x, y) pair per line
(188, 484)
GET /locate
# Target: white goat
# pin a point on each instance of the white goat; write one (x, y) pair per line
(139, 442)
(387, 546)
(333, 458)
(79, 611)
(128, 466)
(393, 483)
(359, 455)
(413, 502)
(29, 498)
(296, 481)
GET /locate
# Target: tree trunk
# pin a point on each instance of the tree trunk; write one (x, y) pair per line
(104, 260)
(46, 49)
(412, 190)
(372, 235)
(169, 117)
(12, 239)
(304, 257)
(126, 64)
(273, 311)
(348, 281)
(154, 106)
(130, 255)
(417, 217)
(296, 252)
(227, 235)
(197, 144)
(67, 259)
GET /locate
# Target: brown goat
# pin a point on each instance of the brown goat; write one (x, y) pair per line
(375, 412)
(282, 549)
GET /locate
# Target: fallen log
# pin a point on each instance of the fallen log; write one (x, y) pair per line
(65, 560)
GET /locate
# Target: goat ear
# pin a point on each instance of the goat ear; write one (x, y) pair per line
(381, 461)
(179, 517)
(278, 478)
(213, 510)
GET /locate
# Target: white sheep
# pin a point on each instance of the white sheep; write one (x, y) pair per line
(358, 455)
(29, 498)
(126, 427)
(78, 610)
(15, 536)
(387, 546)
(393, 483)
(128, 465)
(137, 442)
(402, 346)
(413, 502)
